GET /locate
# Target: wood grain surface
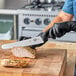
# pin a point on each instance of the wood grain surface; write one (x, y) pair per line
(48, 62)
(71, 54)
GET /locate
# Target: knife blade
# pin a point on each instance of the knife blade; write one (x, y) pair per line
(28, 42)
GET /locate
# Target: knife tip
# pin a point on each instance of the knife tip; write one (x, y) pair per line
(4, 47)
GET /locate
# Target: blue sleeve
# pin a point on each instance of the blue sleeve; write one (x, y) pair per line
(68, 7)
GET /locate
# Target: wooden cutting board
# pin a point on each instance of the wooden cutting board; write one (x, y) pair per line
(71, 54)
(48, 62)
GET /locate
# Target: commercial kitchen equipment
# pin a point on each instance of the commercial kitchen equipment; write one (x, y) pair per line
(8, 19)
(34, 17)
(6, 27)
(45, 4)
(32, 22)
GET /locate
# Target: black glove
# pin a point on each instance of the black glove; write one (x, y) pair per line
(43, 35)
(60, 29)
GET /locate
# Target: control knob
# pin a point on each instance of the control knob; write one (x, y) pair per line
(38, 21)
(27, 21)
(47, 21)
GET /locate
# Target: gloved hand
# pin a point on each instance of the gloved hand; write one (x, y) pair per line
(43, 35)
(58, 30)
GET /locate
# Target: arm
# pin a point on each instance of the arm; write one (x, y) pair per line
(60, 18)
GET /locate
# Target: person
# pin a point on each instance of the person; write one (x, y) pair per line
(62, 23)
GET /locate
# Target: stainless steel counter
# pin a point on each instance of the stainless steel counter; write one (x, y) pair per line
(68, 37)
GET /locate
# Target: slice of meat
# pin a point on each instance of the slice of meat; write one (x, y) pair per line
(24, 52)
(15, 62)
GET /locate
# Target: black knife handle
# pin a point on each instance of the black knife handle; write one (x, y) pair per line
(24, 38)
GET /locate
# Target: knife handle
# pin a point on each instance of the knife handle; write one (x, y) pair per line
(24, 38)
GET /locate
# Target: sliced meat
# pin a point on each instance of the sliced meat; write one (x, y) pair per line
(24, 52)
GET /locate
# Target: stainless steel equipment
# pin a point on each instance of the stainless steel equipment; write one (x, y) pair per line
(33, 18)
(32, 22)
(36, 16)
(43, 4)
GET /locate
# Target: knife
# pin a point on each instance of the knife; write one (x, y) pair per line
(28, 42)
(23, 53)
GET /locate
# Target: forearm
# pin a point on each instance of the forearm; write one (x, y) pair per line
(62, 16)
(56, 20)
